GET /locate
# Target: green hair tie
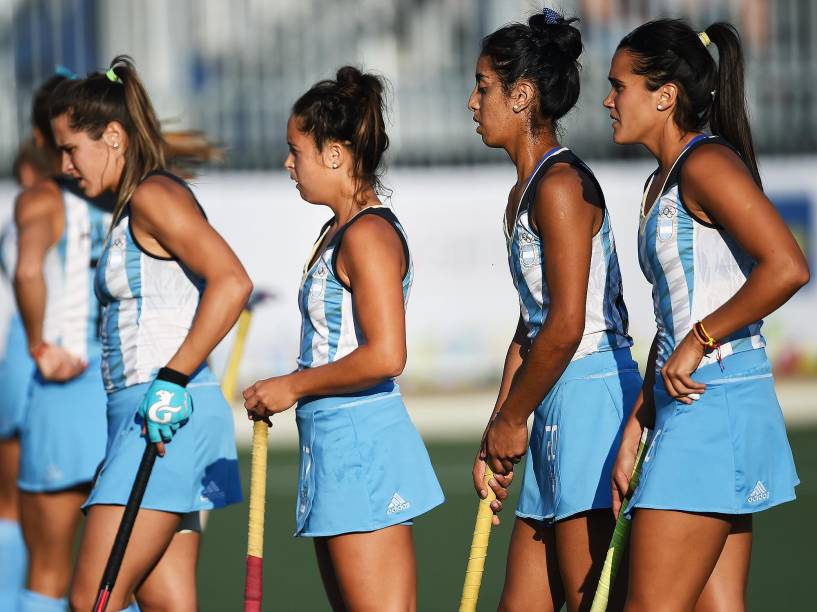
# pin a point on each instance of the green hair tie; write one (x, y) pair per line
(112, 76)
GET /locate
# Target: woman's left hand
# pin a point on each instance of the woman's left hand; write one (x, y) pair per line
(268, 397)
(677, 371)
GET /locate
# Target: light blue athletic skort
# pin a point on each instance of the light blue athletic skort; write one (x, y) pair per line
(62, 440)
(16, 371)
(363, 466)
(575, 437)
(199, 470)
(726, 452)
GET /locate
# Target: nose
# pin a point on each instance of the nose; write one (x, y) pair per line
(289, 162)
(473, 105)
(67, 166)
(608, 101)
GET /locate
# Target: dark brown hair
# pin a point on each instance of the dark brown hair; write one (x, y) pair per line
(348, 110)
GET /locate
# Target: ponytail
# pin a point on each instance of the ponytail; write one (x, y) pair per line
(729, 117)
(116, 95)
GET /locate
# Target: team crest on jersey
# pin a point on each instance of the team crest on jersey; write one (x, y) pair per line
(528, 251)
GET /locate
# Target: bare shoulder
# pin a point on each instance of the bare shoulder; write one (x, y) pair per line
(159, 194)
(41, 199)
(371, 231)
(562, 191)
(712, 160)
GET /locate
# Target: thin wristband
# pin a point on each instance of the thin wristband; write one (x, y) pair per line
(173, 376)
(38, 349)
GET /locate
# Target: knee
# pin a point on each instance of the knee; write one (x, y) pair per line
(168, 600)
(81, 600)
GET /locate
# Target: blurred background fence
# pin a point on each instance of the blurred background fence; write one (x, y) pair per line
(234, 67)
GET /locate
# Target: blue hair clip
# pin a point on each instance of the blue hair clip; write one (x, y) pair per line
(551, 16)
(63, 71)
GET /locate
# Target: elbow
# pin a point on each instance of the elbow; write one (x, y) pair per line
(800, 275)
(794, 275)
(392, 364)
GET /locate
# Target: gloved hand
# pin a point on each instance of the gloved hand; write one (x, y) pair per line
(166, 406)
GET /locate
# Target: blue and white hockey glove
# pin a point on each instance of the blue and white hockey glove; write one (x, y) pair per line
(166, 405)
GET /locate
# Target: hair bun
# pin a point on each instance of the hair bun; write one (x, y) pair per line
(551, 28)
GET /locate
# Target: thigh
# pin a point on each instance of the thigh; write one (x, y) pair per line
(152, 534)
(9, 463)
(376, 571)
(581, 547)
(672, 555)
(532, 580)
(328, 577)
(171, 585)
(725, 591)
(50, 520)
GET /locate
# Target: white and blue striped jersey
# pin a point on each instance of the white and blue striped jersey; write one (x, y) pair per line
(606, 322)
(694, 267)
(71, 308)
(329, 326)
(150, 303)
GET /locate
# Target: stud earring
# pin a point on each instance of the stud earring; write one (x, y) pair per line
(660, 107)
(515, 108)
(334, 165)
(116, 145)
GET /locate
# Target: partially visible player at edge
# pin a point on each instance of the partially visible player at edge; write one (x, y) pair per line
(365, 473)
(60, 232)
(720, 259)
(569, 362)
(172, 288)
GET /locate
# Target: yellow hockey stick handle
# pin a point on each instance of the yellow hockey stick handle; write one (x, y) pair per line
(258, 490)
(479, 549)
(231, 373)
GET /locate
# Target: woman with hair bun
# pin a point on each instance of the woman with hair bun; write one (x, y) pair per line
(719, 258)
(171, 288)
(569, 362)
(365, 474)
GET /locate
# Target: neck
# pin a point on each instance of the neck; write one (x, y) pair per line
(527, 151)
(348, 205)
(668, 143)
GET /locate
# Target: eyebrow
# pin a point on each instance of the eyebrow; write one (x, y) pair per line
(614, 81)
(481, 77)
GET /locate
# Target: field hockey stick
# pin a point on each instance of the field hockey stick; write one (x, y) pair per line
(120, 543)
(479, 548)
(254, 583)
(621, 534)
(234, 361)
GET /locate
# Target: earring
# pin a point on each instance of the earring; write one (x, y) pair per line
(116, 145)
(334, 165)
(660, 107)
(515, 108)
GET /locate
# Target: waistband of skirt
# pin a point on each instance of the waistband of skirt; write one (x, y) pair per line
(600, 364)
(737, 366)
(203, 376)
(379, 392)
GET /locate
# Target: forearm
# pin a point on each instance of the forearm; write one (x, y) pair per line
(220, 305)
(767, 288)
(30, 292)
(513, 361)
(543, 365)
(363, 368)
(643, 412)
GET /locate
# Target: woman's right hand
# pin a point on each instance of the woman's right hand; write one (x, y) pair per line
(57, 364)
(499, 484)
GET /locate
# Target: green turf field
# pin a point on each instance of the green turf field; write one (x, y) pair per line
(784, 558)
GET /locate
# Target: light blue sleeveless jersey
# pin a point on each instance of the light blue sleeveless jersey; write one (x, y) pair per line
(606, 322)
(329, 328)
(72, 309)
(149, 303)
(694, 267)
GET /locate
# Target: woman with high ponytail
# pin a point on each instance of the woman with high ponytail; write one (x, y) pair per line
(720, 259)
(365, 474)
(171, 289)
(569, 361)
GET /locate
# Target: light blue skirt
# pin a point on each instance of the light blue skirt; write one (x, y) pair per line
(575, 437)
(363, 466)
(62, 440)
(16, 371)
(726, 452)
(199, 470)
